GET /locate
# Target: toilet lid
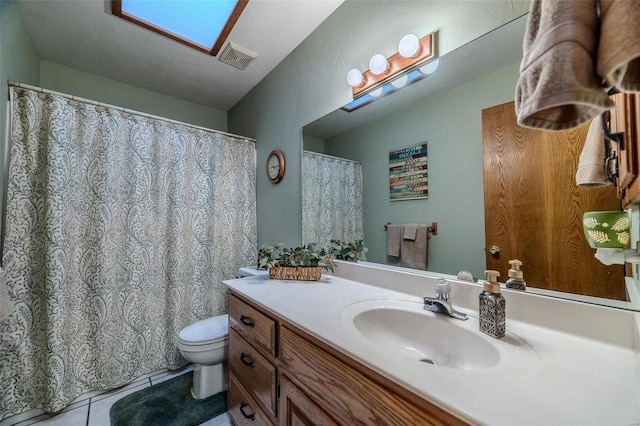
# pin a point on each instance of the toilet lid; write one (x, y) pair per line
(213, 328)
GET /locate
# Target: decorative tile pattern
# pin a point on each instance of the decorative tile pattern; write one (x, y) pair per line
(492, 314)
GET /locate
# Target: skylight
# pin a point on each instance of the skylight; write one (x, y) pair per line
(202, 24)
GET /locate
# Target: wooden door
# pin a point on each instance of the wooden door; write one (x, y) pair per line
(533, 208)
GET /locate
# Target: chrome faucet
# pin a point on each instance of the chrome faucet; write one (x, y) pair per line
(441, 304)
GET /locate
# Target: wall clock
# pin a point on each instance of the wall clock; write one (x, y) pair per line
(275, 166)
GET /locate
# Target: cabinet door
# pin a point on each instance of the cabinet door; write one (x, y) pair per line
(296, 409)
(627, 113)
(350, 396)
(623, 121)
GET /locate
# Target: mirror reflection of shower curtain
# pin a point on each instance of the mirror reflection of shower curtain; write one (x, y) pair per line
(331, 199)
(119, 231)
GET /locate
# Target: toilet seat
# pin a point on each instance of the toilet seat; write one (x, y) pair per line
(206, 331)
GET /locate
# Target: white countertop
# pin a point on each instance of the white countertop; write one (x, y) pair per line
(571, 380)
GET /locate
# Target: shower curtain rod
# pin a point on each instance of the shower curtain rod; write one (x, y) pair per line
(330, 156)
(128, 111)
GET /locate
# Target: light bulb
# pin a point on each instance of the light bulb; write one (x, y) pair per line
(377, 92)
(409, 46)
(400, 82)
(378, 64)
(430, 67)
(355, 78)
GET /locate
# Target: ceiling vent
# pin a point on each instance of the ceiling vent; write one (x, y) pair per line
(236, 56)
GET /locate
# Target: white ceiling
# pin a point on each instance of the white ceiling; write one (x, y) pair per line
(83, 34)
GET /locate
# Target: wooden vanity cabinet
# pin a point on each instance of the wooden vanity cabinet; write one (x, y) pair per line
(252, 397)
(625, 121)
(297, 379)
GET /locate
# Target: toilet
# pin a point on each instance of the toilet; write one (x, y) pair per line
(204, 343)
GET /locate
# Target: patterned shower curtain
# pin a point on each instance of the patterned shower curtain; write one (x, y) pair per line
(119, 231)
(331, 199)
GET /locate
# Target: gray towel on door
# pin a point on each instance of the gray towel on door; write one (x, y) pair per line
(413, 253)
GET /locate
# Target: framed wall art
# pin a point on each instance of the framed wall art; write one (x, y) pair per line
(408, 173)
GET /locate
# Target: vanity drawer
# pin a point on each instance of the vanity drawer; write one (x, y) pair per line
(253, 325)
(254, 371)
(243, 409)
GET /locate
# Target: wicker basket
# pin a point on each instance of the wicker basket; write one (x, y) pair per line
(300, 273)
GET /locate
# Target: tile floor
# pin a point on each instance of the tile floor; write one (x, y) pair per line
(93, 409)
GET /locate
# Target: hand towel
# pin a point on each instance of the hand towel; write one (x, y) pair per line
(558, 87)
(591, 167)
(619, 49)
(394, 235)
(6, 307)
(409, 231)
(413, 253)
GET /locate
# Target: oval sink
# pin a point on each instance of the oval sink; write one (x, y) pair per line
(427, 337)
(405, 329)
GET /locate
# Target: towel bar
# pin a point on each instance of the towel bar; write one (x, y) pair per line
(433, 229)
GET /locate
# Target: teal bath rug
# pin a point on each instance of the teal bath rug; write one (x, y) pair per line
(168, 403)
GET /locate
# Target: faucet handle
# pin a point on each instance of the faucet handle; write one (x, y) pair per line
(443, 289)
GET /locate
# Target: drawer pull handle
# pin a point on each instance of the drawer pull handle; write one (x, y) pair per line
(246, 416)
(246, 321)
(244, 357)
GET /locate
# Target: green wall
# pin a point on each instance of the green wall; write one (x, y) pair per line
(451, 124)
(64, 79)
(310, 83)
(313, 143)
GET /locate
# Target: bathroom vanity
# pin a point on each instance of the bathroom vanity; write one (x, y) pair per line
(279, 374)
(347, 351)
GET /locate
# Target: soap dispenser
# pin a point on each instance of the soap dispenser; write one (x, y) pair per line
(492, 306)
(515, 281)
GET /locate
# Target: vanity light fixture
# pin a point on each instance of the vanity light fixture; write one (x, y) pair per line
(376, 93)
(431, 67)
(416, 58)
(409, 46)
(400, 81)
(355, 78)
(378, 64)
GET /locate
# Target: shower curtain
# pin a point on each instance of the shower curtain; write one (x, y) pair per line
(331, 199)
(119, 231)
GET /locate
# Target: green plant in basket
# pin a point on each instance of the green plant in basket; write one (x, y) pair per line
(309, 255)
(269, 256)
(351, 252)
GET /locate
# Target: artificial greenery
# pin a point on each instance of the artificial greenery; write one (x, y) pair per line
(351, 252)
(310, 255)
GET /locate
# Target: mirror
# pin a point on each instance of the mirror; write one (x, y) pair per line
(443, 110)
